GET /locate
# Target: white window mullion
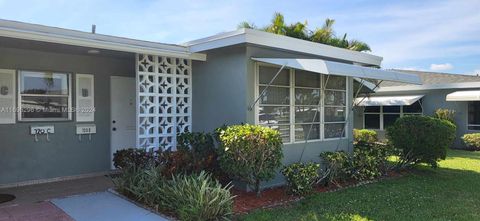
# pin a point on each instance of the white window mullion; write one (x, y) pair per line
(292, 106)
(321, 108)
(381, 117)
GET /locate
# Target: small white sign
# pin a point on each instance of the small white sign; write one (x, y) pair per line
(86, 129)
(39, 130)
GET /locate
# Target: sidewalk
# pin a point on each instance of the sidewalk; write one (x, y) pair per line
(104, 206)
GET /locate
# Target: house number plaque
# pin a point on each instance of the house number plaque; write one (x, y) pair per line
(41, 130)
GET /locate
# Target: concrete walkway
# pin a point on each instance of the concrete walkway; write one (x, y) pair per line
(104, 206)
(46, 191)
(42, 211)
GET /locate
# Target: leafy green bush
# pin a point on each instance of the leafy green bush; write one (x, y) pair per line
(188, 197)
(368, 161)
(472, 141)
(301, 177)
(364, 136)
(250, 153)
(132, 157)
(198, 150)
(445, 114)
(338, 166)
(421, 139)
(195, 152)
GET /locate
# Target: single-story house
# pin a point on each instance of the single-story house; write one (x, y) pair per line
(70, 99)
(391, 100)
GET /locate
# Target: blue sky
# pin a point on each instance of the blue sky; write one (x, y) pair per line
(421, 35)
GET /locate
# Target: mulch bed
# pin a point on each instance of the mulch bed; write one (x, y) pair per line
(245, 202)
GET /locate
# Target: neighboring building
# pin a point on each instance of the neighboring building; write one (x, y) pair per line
(392, 100)
(70, 99)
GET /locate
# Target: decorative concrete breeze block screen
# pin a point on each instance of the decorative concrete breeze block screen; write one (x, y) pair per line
(164, 97)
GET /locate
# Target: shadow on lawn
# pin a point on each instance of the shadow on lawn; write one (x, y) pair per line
(473, 155)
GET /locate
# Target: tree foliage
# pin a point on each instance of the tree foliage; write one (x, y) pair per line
(323, 35)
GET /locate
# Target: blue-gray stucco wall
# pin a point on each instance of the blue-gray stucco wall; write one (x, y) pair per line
(433, 100)
(23, 159)
(223, 88)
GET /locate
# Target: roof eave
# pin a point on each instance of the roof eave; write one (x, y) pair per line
(95, 43)
(466, 85)
(281, 42)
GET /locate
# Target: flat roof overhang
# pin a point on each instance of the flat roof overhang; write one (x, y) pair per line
(20, 30)
(335, 68)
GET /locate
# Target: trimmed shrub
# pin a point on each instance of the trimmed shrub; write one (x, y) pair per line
(370, 161)
(132, 157)
(195, 153)
(445, 114)
(421, 139)
(250, 153)
(364, 136)
(338, 166)
(301, 177)
(472, 141)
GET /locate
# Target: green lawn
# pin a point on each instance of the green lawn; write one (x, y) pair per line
(451, 192)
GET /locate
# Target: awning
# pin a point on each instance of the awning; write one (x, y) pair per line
(464, 96)
(336, 68)
(387, 100)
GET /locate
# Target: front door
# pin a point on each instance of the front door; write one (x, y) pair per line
(122, 113)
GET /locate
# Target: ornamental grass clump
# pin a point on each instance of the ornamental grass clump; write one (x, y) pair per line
(187, 197)
(250, 153)
(196, 197)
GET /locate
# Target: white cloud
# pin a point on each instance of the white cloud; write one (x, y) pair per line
(441, 67)
(411, 69)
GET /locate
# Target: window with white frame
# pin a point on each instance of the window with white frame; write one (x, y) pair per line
(381, 117)
(44, 96)
(473, 115)
(294, 105)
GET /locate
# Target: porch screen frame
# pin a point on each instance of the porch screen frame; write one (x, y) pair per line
(292, 104)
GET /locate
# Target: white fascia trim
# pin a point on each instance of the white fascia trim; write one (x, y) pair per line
(94, 43)
(281, 42)
(430, 87)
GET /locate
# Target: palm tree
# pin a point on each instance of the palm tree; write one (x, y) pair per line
(324, 35)
(356, 45)
(277, 25)
(298, 30)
